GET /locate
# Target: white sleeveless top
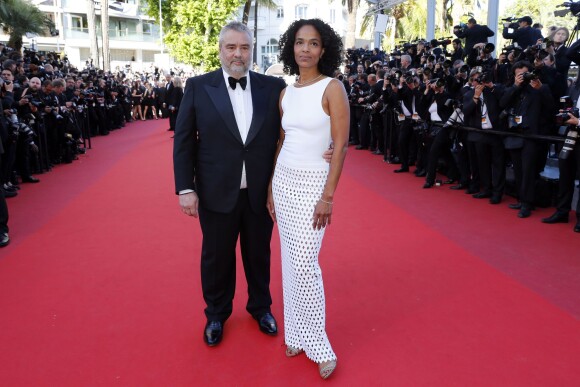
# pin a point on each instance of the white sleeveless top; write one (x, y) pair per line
(306, 126)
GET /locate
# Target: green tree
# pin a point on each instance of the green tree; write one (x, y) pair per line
(269, 4)
(191, 28)
(17, 17)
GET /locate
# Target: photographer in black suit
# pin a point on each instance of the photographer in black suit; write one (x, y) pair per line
(569, 165)
(481, 109)
(524, 35)
(408, 95)
(527, 102)
(473, 33)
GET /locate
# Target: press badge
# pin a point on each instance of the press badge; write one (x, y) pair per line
(415, 116)
(484, 120)
(401, 117)
(518, 120)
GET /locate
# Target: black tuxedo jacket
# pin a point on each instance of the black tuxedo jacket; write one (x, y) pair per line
(208, 151)
(472, 110)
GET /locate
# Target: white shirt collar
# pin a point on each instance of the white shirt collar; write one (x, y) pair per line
(226, 76)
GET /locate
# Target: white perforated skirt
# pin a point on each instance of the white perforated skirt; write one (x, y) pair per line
(296, 192)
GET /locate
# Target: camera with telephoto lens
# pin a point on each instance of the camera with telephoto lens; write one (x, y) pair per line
(513, 22)
(569, 143)
(529, 76)
(438, 82)
(566, 106)
(572, 7)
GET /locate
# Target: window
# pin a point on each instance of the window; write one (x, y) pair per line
(147, 28)
(332, 19)
(270, 53)
(78, 23)
(302, 11)
(280, 13)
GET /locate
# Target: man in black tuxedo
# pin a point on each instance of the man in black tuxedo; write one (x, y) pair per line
(225, 139)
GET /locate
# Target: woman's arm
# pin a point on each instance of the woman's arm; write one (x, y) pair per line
(335, 104)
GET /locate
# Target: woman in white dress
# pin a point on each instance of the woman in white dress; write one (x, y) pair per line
(315, 116)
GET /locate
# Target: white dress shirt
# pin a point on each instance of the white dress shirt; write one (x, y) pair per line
(243, 111)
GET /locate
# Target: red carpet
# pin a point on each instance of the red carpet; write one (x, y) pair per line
(100, 286)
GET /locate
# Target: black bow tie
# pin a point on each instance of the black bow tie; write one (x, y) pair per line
(243, 82)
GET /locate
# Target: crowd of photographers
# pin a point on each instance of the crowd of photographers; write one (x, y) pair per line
(467, 115)
(51, 110)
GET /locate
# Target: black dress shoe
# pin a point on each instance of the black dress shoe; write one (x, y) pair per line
(449, 181)
(394, 160)
(471, 191)
(4, 239)
(482, 195)
(515, 206)
(401, 170)
(577, 227)
(525, 212)
(360, 147)
(9, 194)
(213, 332)
(427, 185)
(557, 217)
(420, 173)
(378, 152)
(458, 187)
(495, 200)
(267, 323)
(30, 179)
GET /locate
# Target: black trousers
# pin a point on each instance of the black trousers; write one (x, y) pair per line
(525, 170)
(407, 143)
(377, 128)
(364, 129)
(218, 258)
(491, 164)
(440, 147)
(568, 170)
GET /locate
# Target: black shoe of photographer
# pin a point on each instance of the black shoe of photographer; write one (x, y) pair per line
(495, 199)
(525, 212)
(449, 181)
(458, 187)
(4, 239)
(360, 147)
(482, 195)
(401, 170)
(515, 206)
(9, 194)
(577, 226)
(557, 217)
(394, 160)
(420, 173)
(427, 185)
(30, 179)
(471, 191)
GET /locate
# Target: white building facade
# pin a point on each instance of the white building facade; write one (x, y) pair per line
(134, 38)
(272, 23)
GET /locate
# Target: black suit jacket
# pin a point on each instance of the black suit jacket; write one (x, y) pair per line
(208, 151)
(535, 106)
(474, 35)
(472, 110)
(524, 37)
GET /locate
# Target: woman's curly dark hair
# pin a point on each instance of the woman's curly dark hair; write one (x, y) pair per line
(331, 43)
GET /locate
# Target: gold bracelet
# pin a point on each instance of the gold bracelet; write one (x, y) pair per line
(324, 201)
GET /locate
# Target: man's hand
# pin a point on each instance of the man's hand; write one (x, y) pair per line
(536, 84)
(9, 87)
(572, 120)
(189, 204)
(519, 79)
(478, 91)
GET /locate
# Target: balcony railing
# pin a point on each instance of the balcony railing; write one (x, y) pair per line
(114, 34)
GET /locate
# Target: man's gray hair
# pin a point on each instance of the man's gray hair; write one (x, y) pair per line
(406, 58)
(236, 26)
